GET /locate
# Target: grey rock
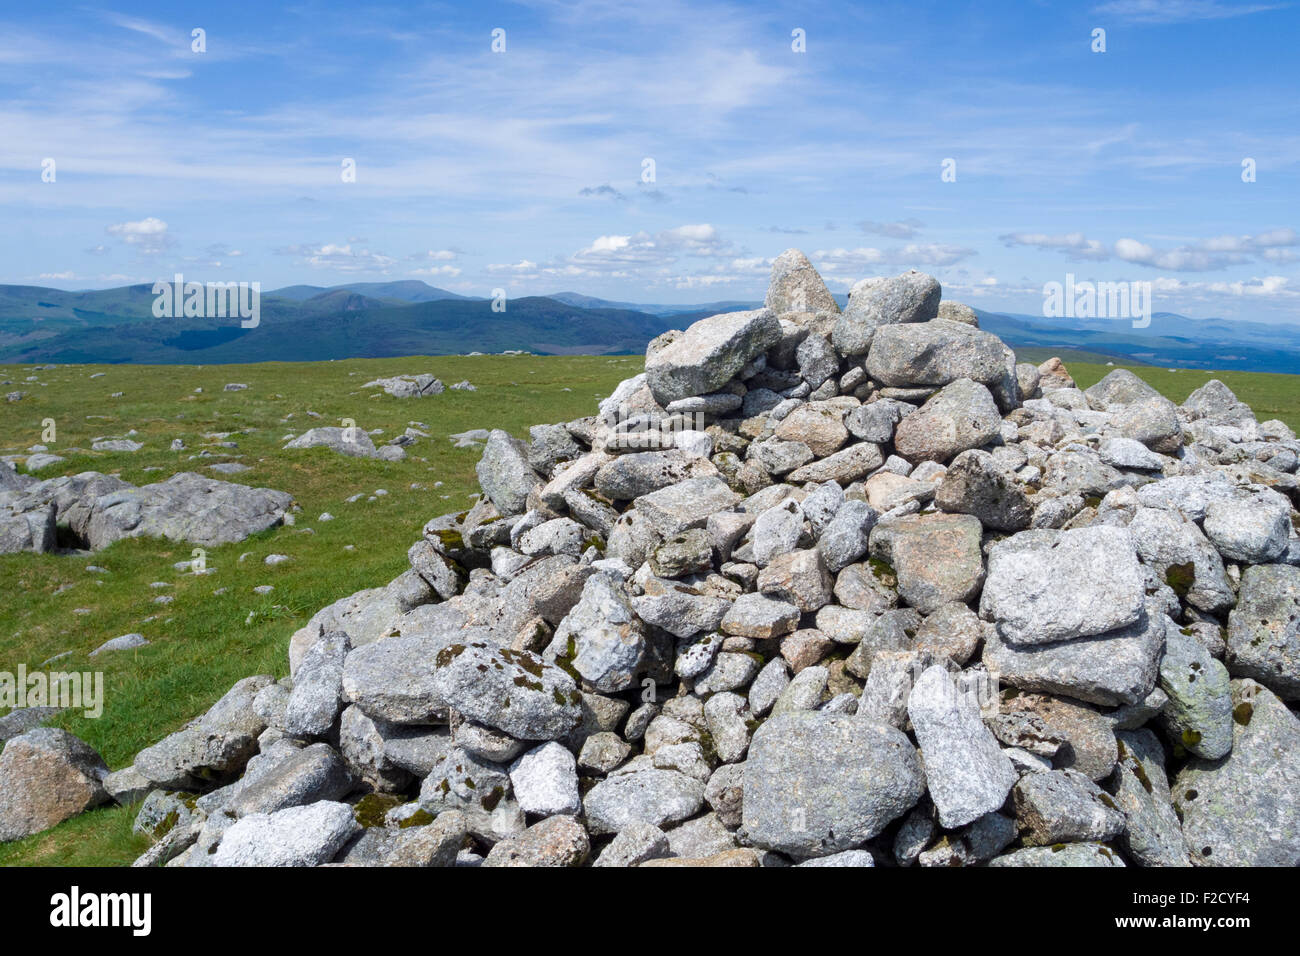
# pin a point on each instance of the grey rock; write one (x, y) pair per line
(795, 286)
(686, 504)
(353, 441)
(308, 775)
(1115, 668)
(545, 781)
(1152, 835)
(934, 353)
(961, 415)
(315, 701)
(974, 485)
(504, 473)
(1264, 629)
(1173, 546)
(634, 844)
(847, 535)
(708, 354)
(1244, 809)
(966, 771)
(1063, 854)
(1063, 806)
(514, 691)
(297, 836)
(1046, 586)
(555, 841)
(653, 796)
(1252, 529)
(1198, 714)
(215, 745)
(608, 640)
(817, 784)
(631, 476)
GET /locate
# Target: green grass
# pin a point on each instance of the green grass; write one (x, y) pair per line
(203, 641)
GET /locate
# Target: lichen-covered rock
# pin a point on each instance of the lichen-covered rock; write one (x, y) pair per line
(1244, 809)
(1264, 629)
(514, 691)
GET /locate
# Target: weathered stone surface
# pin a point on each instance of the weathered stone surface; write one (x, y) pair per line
(555, 841)
(514, 691)
(1152, 835)
(706, 356)
(185, 507)
(630, 476)
(818, 427)
(1118, 667)
(934, 353)
(799, 577)
(653, 796)
(1119, 387)
(1253, 529)
(818, 784)
(937, 559)
(297, 836)
(214, 745)
(317, 692)
(1063, 806)
(961, 415)
(1064, 854)
(686, 504)
(504, 473)
(846, 465)
(1264, 629)
(965, 770)
(974, 485)
(760, 617)
(353, 442)
(1046, 586)
(46, 776)
(1198, 715)
(545, 781)
(795, 286)
(607, 639)
(910, 297)
(1173, 546)
(1244, 809)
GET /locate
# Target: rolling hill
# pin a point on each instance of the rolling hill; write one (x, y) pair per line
(372, 319)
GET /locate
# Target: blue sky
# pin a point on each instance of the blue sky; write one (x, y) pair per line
(523, 169)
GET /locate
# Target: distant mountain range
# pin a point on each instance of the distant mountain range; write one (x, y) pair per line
(374, 319)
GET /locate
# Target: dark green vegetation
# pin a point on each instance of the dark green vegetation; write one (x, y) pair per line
(202, 642)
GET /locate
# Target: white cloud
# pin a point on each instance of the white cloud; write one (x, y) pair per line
(148, 235)
(1180, 11)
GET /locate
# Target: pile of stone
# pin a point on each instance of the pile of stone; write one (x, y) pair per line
(95, 509)
(819, 587)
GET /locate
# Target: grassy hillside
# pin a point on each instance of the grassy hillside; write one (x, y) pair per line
(203, 641)
(300, 331)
